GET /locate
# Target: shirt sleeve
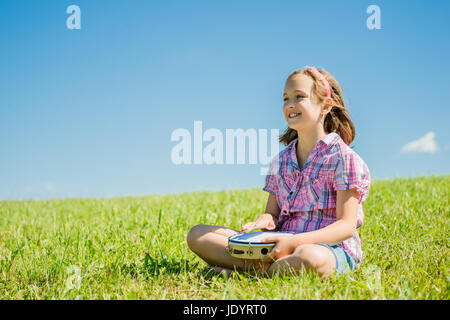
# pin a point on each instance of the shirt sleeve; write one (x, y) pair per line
(272, 177)
(351, 172)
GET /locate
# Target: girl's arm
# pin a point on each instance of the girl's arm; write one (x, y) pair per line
(342, 229)
(272, 206)
(272, 212)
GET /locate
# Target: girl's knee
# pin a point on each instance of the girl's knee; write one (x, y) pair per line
(199, 231)
(312, 258)
(194, 234)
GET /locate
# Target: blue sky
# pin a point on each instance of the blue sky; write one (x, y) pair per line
(90, 112)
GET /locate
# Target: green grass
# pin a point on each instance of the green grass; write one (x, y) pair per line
(135, 247)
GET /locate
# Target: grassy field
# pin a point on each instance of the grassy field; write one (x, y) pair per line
(135, 247)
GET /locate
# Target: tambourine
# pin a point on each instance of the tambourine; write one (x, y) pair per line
(249, 245)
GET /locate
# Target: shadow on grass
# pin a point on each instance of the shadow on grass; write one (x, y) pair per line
(151, 266)
(208, 273)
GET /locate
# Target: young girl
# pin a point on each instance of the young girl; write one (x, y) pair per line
(316, 186)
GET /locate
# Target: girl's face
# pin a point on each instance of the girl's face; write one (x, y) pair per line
(300, 108)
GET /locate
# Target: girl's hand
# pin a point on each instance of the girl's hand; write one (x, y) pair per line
(284, 247)
(265, 222)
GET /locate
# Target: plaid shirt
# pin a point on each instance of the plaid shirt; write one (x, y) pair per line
(307, 197)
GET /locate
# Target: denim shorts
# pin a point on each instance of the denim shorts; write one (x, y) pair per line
(344, 262)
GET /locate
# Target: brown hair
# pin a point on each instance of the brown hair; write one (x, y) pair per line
(338, 119)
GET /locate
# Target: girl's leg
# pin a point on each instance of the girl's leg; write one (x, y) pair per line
(210, 242)
(308, 257)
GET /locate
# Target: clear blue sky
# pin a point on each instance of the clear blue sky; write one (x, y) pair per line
(90, 112)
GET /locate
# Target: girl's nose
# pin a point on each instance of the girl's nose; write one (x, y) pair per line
(289, 106)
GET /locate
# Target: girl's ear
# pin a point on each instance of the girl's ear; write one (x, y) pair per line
(328, 105)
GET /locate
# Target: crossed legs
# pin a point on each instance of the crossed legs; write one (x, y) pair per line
(210, 242)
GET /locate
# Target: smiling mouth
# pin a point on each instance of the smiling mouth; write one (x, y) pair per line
(294, 115)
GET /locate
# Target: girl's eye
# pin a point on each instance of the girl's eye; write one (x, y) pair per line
(299, 96)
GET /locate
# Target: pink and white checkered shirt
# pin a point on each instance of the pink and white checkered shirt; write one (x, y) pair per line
(307, 196)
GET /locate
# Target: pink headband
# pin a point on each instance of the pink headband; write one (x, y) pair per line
(322, 78)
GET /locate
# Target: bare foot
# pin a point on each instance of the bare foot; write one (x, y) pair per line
(221, 270)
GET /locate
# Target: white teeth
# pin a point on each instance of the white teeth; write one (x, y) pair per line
(292, 115)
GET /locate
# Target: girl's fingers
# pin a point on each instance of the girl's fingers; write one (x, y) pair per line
(268, 239)
(248, 226)
(270, 226)
(261, 225)
(257, 225)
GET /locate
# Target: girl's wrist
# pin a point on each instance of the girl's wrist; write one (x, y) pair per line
(298, 239)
